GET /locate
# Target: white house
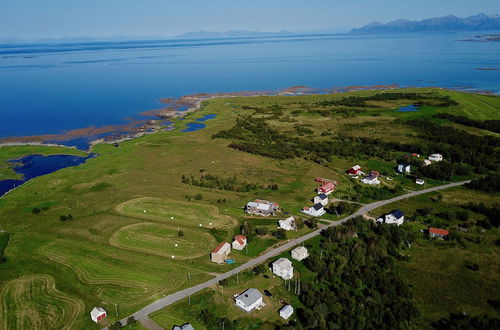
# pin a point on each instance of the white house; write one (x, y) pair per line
(300, 253)
(287, 224)
(371, 180)
(239, 242)
(286, 311)
(321, 199)
(394, 217)
(404, 168)
(249, 300)
(436, 157)
(97, 314)
(283, 268)
(316, 210)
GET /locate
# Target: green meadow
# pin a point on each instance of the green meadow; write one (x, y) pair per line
(122, 250)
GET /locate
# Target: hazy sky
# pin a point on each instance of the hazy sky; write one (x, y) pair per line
(27, 19)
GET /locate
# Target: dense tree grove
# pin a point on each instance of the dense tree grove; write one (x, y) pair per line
(361, 101)
(466, 322)
(490, 125)
(357, 284)
(489, 183)
(492, 214)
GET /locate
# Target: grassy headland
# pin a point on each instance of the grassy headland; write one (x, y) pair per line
(128, 204)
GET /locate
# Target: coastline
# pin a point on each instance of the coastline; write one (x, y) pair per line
(178, 108)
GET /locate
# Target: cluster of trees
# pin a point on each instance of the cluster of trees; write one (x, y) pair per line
(492, 214)
(361, 101)
(463, 321)
(217, 182)
(490, 125)
(340, 208)
(358, 285)
(489, 183)
(443, 170)
(65, 217)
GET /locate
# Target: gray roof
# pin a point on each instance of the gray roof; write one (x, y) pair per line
(322, 196)
(283, 263)
(185, 326)
(250, 296)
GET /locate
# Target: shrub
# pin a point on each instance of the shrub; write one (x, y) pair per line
(36, 210)
(198, 197)
(280, 234)
(180, 233)
(63, 218)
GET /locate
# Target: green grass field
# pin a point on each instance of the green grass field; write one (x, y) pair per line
(112, 253)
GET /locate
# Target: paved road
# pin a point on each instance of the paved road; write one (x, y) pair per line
(183, 294)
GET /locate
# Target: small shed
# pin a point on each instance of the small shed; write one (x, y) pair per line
(286, 311)
(97, 314)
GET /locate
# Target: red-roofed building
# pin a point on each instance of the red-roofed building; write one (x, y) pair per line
(327, 188)
(438, 233)
(355, 170)
(221, 252)
(239, 242)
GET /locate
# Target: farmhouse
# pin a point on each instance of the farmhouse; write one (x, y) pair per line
(283, 268)
(436, 157)
(300, 253)
(286, 311)
(326, 188)
(393, 217)
(321, 198)
(404, 168)
(97, 314)
(239, 242)
(316, 210)
(221, 252)
(262, 207)
(438, 233)
(287, 224)
(185, 326)
(371, 179)
(355, 170)
(249, 300)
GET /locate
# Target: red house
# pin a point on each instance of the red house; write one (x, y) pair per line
(355, 170)
(327, 188)
(438, 233)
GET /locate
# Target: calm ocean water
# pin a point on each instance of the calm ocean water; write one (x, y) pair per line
(47, 88)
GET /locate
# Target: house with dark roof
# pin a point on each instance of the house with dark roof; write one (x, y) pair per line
(394, 217)
(321, 198)
(316, 210)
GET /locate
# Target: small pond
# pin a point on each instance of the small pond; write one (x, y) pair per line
(33, 166)
(196, 126)
(409, 108)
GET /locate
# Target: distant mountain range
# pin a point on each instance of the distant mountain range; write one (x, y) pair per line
(480, 22)
(230, 34)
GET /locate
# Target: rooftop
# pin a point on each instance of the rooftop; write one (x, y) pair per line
(438, 231)
(250, 296)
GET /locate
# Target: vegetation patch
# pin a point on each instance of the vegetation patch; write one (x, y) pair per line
(165, 241)
(33, 302)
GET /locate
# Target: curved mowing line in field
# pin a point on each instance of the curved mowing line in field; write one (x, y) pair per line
(162, 240)
(33, 302)
(108, 265)
(184, 214)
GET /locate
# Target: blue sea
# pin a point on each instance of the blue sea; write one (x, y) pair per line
(48, 88)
